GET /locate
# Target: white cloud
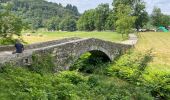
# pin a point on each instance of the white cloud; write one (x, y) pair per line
(89, 4)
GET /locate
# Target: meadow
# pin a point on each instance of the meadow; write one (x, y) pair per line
(47, 36)
(159, 43)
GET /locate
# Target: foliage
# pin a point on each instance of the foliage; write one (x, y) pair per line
(125, 21)
(53, 24)
(86, 21)
(157, 83)
(141, 14)
(73, 9)
(102, 13)
(159, 19)
(101, 18)
(68, 24)
(38, 12)
(156, 17)
(42, 64)
(7, 41)
(19, 83)
(131, 66)
(110, 22)
(138, 10)
(10, 25)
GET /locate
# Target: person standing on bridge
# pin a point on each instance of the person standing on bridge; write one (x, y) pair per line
(19, 47)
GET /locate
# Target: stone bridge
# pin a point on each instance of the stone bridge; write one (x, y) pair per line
(65, 51)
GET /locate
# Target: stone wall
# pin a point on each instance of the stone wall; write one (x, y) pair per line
(66, 53)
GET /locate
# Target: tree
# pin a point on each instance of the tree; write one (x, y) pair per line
(86, 21)
(10, 25)
(165, 20)
(68, 24)
(4, 1)
(138, 9)
(110, 22)
(156, 17)
(125, 21)
(73, 9)
(141, 14)
(36, 23)
(53, 24)
(101, 15)
(100, 18)
(38, 12)
(159, 19)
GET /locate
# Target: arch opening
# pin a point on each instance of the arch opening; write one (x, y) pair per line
(90, 61)
(99, 54)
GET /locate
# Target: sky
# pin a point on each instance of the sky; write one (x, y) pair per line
(83, 5)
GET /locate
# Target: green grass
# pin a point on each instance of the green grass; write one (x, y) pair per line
(46, 36)
(159, 42)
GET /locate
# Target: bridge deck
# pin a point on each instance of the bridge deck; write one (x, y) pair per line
(8, 54)
(30, 48)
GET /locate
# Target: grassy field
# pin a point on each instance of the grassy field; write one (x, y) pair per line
(47, 36)
(159, 43)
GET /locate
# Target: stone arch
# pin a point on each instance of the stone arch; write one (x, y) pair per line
(101, 54)
(96, 51)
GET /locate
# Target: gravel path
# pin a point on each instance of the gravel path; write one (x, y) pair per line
(133, 39)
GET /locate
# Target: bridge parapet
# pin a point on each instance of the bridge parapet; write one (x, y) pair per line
(38, 45)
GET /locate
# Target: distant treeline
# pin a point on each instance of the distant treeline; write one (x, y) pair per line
(52, 16)
(43, 14)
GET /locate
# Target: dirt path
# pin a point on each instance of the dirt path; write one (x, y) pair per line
(133, 39)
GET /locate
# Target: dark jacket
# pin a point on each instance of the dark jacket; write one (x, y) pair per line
(19, 47)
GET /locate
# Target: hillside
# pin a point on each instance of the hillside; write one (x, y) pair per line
(39, 13)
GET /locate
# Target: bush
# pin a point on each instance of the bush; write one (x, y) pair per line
(7, 41)
(157, 84)
(19, 83)
(42, 64)
(72, 77)
(130, 66)
(133, 68)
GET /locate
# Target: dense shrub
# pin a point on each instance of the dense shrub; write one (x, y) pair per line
(42, 64)
(19, 83)
(7, 41)
(158, 83)
(130, 66)
(133, 68)
(72, 77)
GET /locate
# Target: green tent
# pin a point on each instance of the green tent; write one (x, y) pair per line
(163, 29)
